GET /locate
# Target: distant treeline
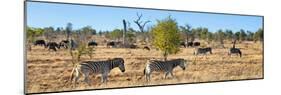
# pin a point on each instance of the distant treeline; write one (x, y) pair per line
(166, 35)
(187, 33)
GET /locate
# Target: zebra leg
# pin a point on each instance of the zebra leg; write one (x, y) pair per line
(77, 76)
(103, 78)
(172, 74)
(166, 74)
(86, 78)
(148, 76)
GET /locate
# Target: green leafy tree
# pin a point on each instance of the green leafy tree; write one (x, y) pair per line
(186, 30)
(250, 36)
(116, 34)
(237, 35)
(229, 34)
(220, 36)
(242, 35)
(258, 36)
(210, 36)
(31, 34)
(203, 33)
(166, 36)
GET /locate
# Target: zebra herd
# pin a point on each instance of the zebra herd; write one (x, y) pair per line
(86, 68)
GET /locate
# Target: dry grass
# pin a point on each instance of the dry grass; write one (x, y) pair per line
(50, 71)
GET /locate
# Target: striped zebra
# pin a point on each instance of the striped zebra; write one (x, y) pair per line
(203, 51)
(235, 51)
(96, 67)
(163, 66)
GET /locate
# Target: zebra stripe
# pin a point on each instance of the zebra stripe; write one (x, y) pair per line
(97, 67)
(203, 51)
(165, 66)
(235, 51)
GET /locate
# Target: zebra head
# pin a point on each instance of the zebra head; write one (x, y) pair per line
(183, 63)
(120, 62)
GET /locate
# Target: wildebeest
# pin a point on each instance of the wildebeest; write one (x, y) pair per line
(203, 51)
(146, 48)
(189, 44)
(113, 43)
(64, 44)
(182, 44)
(93, 43)
(40, 43)
(52, 46)
(133, 46)
(196, 44)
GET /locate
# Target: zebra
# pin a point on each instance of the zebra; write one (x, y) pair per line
(96, 67)
(203, 51)
(164, 66)
(235, 51)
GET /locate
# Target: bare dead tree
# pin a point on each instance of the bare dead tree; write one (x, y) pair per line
(140, 23)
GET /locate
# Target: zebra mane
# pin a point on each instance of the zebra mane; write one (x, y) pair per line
(115, 62)
(176, 62)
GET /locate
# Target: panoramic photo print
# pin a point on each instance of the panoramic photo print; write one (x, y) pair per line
(74, 47)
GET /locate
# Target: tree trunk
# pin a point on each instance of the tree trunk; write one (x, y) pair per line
(124, 32)
(165, 55)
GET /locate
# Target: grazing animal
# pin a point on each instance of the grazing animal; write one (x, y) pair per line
(182, 44)
(235, 51)
(96, 67)
(189, 44)
(40, 43)
(146, 48)
(112, 44)
(196, 44)
(132, 46)
(64, 44)
(203, 51)
(164, 66)
(52, 46)
(92, 43)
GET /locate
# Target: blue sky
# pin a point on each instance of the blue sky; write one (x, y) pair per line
(109, 18)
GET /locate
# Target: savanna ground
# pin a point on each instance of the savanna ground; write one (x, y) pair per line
(49, 71)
